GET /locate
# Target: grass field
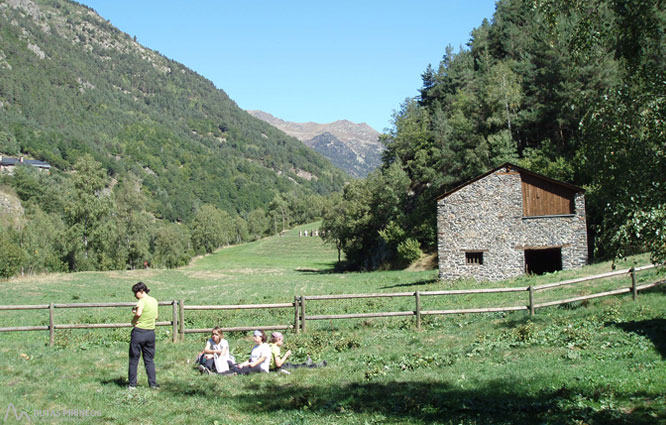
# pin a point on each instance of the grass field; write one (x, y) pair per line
(596, 362)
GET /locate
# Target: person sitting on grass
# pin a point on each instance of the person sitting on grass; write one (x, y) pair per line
(260, 357)
(278, 363)
(215, 356)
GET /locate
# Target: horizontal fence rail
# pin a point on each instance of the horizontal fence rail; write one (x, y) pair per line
(475, 291)
(584, 297)
(580, 279)
(360, 315)
(353, 296)
(52, 326)
(24, 307)
(242, 329)
(476, 310)
(183, 307)
(238, 307)
(300, 312)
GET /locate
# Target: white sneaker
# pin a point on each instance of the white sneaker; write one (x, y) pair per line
(286, 372)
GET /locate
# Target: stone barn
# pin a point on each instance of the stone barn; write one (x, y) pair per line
(510, 221)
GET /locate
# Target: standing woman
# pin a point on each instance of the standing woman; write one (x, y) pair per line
(142, 340)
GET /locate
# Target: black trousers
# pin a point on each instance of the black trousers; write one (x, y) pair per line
(242, 370)
(208, 363)
(142, 342)
(299, 365)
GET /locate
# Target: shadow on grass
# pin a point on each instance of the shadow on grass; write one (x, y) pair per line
(654, 329)
(419, 283)
(120, 382)
(327, 268)
(198, 386)
(499, 402)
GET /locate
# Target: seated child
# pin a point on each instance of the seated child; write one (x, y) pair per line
(260, 357)
(276, 342)
(278, 363)
(215, 356)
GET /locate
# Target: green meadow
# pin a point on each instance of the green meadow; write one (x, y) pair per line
(593, 362)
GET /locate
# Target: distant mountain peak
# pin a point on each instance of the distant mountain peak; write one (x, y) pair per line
(354, 148)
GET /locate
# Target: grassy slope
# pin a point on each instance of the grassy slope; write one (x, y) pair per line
(598, 362)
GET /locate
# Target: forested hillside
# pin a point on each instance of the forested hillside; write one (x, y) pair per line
(575, 90)
(155, 139)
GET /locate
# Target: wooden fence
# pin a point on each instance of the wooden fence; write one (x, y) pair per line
(531, 305)
(301, 317)
(53, 326)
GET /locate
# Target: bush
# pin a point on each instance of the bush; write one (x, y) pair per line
(409, 250)
(11, 258)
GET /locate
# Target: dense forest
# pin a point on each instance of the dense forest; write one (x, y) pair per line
(150, 161)
(574, 90)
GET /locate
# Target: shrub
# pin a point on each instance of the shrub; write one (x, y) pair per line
(409, 250)
(11, 258)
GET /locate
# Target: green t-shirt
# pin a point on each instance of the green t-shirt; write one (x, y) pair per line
(275, 352)
(149, 313)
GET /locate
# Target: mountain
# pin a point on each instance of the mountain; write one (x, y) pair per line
(354, 148)
(72, 84)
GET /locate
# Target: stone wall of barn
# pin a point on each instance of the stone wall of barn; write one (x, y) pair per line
(486, 216)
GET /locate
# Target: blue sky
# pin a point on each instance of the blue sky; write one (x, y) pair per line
(304, 60)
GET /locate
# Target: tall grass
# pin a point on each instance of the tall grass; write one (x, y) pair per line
(598, 362)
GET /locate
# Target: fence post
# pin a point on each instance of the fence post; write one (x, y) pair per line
(181, 322)
(531, 301)
(302, 314)
(51, 325)
(634, 291)
(417, 295)
(296, 305)
(174, 320)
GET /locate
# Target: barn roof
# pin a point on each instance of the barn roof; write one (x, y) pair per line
(9, 162)
(519, 169)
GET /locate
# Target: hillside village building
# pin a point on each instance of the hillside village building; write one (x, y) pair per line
(7, 164)
(510, 221)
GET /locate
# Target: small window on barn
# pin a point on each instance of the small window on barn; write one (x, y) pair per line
(542, 197)
(474, 258)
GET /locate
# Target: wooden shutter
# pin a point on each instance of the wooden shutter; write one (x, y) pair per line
(543, 197)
